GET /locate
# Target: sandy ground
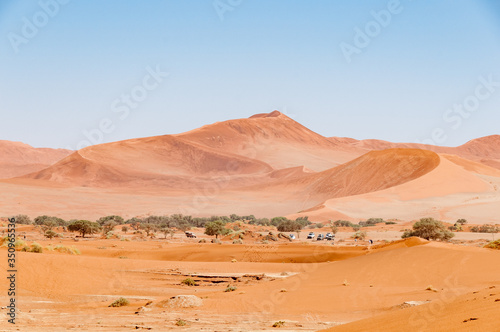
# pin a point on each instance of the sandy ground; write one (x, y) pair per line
(309, 285)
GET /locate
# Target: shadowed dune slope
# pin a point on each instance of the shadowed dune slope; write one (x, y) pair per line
(18, 158)
(275, 139)
(485, 149)
(373, 171)
(154, 161)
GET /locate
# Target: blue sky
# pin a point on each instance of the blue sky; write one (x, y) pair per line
(244, 57)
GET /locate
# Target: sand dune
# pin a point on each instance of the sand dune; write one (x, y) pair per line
(485, 149)
(18, 158)
(373, 171)
(457, 188)
(265, 165)
(377, 283)
(155, 161)
(274, 139)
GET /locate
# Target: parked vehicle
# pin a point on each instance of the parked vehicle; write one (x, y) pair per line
(329, 236)
(292, 236)
(320, 237)
(310, 235)
(190, 234)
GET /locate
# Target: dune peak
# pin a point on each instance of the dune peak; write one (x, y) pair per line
(273, 114)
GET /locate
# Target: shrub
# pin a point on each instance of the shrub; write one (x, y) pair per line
(390, 223)
(67, 250)
(230, 288)
(289, 226)
(237, 241)
(120, 302)
(371, 222)
(333, 228)
(42, 220)
(493, 245)
(343, 223)
(117, 219)
(181, 322)
(23, 219)
(35, 247)
(202, 241)
(359, 235)
(189, 282)
(461, 221)
(429, 229)
(50, 234)
(304, 221)
(279, 324)
(4, 242)
(124, 229)
(485, 229)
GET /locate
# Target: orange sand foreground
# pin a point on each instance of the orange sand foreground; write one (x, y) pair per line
(410, 285)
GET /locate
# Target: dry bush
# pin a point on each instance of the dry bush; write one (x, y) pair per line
(120, 302)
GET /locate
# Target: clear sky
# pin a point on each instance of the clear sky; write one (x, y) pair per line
(402, 71)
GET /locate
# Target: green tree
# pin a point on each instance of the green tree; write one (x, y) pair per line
(40, 220)
(216, 228)
(289, 226)
(108, 226)
(429, 229)
(124, 229)
(23, 219)
(359, 235)
(334, 229)
(150, 229)
(117, 219)
(166, 230)
(50, 234)
(84, 227)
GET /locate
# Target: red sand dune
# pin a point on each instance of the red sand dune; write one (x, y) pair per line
(456, 188)
(18, 158)
(268, 165)
(373, 171)
(485, 149)
(153, 161)
(275, 139)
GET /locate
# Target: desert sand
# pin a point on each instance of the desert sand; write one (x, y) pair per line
(306, 284)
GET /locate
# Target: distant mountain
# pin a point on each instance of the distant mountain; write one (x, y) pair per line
(17, 158)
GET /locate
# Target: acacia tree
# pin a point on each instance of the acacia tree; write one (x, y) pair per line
(149, 229)
(117, 219)
(108, 227)
(333, 227)
(429, 229)
(84, 227)
(216, 227)
(165, 229)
